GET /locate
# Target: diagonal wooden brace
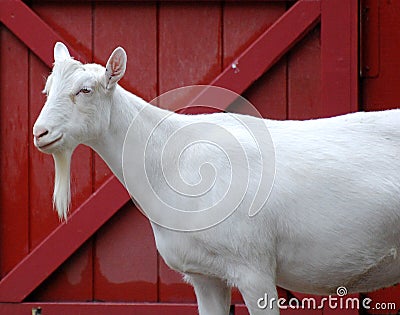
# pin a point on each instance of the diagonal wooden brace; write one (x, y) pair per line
(32, 30)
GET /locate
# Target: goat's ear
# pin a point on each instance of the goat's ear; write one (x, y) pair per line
(61, 52)
(116, 66)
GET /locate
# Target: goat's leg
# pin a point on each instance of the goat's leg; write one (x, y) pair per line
(213, 295)
(259, 294)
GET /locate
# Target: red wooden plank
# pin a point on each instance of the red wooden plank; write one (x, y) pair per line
(304, 78)
(72, 281)
(31, 30)
(369, 38)
(269, 93)
(139, 40)
(189, 44)
(328, 311)
(242, 310)
(243, 23)
(14, 131)
(380, 301)
(264, 52)
(126, 259)
(382, 91)
(339, 57)
(61, 243)
(172, 287)
(270, 46)
(100, 308)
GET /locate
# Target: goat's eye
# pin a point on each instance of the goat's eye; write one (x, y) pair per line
(85, 90)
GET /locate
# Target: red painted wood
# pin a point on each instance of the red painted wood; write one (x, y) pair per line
(139, 40)
(72, 281)
(264, 52)
(339, 57)
(171, 74)
(126, 259)
(270, 46)
(72, 23)
(328, 311)
(381, 91)
(62, 242)
(242, 310)
(31, 30)
(172, 287)
(244, 23)
(323, 69)
(382, 297)
(304, 78)
(189, 44)
(100, 308)
(369, 38)
(14, 131)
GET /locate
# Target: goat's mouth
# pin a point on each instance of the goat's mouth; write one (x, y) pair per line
(45, 147)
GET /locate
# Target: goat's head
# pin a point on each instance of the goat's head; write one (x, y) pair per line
(77, 110)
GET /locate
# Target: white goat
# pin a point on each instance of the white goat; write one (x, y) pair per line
(332, 218)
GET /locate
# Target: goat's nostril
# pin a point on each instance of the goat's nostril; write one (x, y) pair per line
(43, 133)
(40, 133)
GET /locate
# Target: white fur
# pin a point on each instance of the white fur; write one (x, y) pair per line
(62, 191)
(332, 219)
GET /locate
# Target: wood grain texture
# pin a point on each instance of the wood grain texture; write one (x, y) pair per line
(14, 161)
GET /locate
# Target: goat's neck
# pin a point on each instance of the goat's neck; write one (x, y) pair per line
(125, 108)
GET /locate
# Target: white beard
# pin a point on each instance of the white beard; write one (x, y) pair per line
(62, 191)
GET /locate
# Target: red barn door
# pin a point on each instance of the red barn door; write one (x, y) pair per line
(295, 60)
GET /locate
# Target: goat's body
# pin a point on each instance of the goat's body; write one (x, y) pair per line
(331, 219)
(337, 190)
